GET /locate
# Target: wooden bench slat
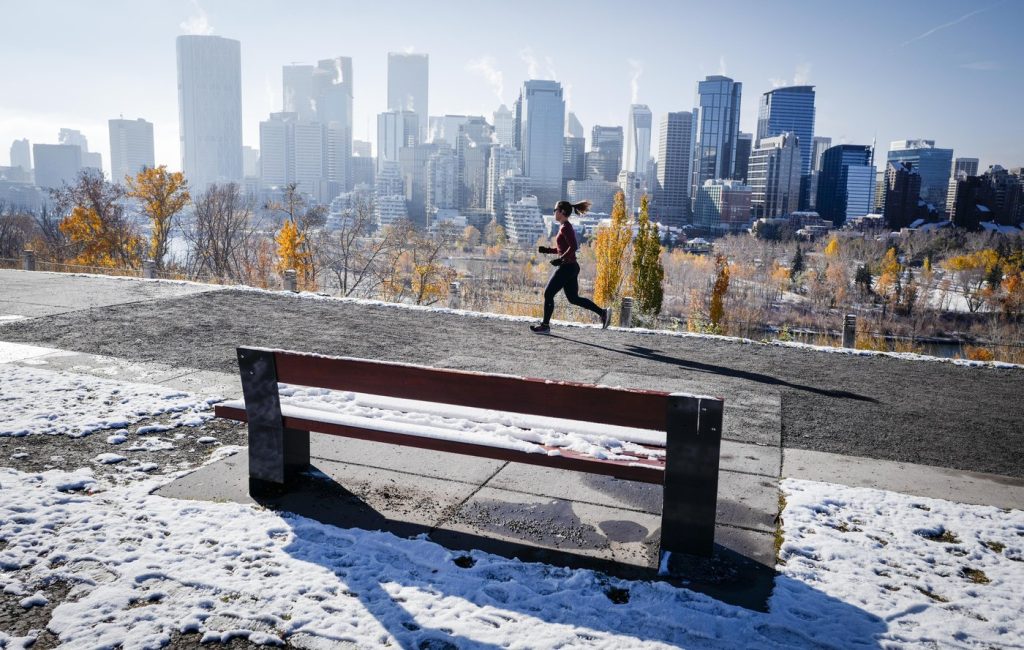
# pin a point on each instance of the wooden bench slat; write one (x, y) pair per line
(623, 407)
(641, 469)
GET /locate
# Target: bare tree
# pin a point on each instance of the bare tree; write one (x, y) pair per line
(352, 254)
(221, 235)
(17, 230)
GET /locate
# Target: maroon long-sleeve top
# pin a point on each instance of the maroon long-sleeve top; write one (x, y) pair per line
(565, 243)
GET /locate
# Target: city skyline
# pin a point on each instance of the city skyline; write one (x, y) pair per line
(953, 55)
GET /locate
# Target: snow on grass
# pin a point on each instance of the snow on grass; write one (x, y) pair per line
(861, 568)
(39, 401)
(936, 572)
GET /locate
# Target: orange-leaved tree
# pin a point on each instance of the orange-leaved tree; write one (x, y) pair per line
(611, 244)
(163, 195)
(293, 253)
(95, 226)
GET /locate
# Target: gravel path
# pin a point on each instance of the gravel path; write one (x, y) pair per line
(931, 413)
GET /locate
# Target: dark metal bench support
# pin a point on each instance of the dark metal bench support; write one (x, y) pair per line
(275, 454)
(692, 444)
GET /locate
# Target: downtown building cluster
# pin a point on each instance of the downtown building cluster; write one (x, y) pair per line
(704, 175)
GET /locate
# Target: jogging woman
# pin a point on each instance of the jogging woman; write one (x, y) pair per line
(566, 275)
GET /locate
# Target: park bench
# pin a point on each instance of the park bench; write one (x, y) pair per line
(687, 466)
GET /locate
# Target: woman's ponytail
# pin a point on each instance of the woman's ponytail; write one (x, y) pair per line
(581, 208)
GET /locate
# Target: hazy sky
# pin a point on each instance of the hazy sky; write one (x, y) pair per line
(937, 69)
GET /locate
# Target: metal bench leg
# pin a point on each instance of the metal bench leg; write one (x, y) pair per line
(692, 446)
(296, 452)
(267, 449)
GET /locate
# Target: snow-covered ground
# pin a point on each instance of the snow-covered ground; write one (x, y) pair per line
(857, 567)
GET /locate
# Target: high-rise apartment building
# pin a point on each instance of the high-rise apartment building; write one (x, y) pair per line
(934, 165)
(21, 154)
(846, 186)
(540, 112)
(744, 145)
(210, 109)
(604, 160)
(716, 118)
(675, 152)
(408, 84)
(638, 140)
(791, 110)
(774, 176)
(131, 147)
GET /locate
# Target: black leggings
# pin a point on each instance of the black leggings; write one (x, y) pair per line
(566, 277)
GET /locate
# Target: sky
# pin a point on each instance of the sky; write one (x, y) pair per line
(935, 69)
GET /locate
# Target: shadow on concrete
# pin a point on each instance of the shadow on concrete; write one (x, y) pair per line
(650, 354)
(550, 533)
(727, 577)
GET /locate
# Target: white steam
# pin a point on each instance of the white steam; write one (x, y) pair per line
(198, 24)
(485, 67)
(532, 69)
(636, 69)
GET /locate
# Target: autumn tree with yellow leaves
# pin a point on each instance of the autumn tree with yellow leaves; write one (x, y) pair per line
(293, 253)
(162, 195)
(611, 249)
(97, 232)
(648, 274)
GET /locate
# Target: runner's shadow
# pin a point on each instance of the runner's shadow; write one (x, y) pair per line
(655, 355)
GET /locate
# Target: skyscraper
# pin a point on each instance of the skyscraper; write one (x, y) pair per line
(573, 159)
(573, 127)
(292, 151)
(505, 126)
(210, 109)
(967, 166)
(473, 144)
(846, 186)
(395, 129)
(791, 110)
(902, 189)
(818, 147)
(21, 154)
(76, 138)
(541, 113)
(774, 176)
(297, 91)
(604, 160)
(674, 155)
(332, 94)
(131, 147)
(408, 83)
(716, 126)
(638, 140)
(934, 166)
(504, 163)
(56, 164)
(744, 145)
